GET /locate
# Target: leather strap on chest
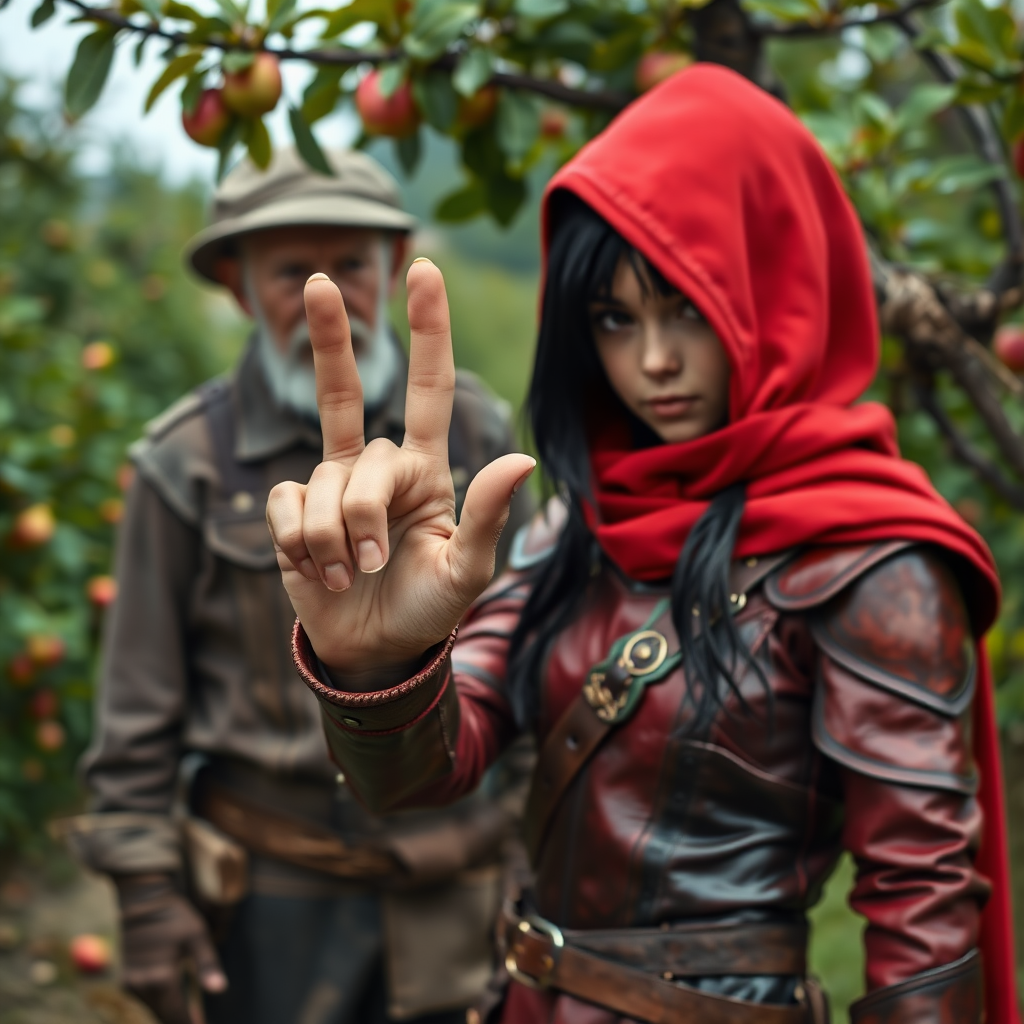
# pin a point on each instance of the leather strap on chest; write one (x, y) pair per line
(584, 725)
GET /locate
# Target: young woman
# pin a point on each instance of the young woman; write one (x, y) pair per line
(746, 634)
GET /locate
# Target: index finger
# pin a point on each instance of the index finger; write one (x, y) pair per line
(339, 394)
(428, 401)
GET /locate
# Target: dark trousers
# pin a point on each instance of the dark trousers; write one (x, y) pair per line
(307, 961)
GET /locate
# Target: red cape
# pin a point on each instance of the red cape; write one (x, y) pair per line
(732, 199)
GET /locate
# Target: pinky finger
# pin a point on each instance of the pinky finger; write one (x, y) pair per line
(284, 519)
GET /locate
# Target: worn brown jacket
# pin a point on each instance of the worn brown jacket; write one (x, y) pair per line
(196, 654)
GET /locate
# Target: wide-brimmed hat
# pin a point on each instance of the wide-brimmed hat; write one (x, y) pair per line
(289, 193)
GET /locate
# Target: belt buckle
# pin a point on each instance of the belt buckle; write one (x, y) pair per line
(557, 940)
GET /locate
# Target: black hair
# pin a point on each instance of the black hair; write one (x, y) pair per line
(569, 391)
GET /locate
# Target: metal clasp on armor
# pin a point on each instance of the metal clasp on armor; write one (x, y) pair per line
(644, 653)
(556, 943)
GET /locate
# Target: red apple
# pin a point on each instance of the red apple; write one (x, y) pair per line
(208, 120)
(45, 649)
(50, 735)
(256, 89)
(111, 510)
(90, 953)
(97, 355)
(1018, 157)
(21, 669)
(654, 67)
(553, 123)
(1009, 346)
(44, 704)
(101, 590)
(478, 109)
(34, 526)
(395, 115)
(125, 475)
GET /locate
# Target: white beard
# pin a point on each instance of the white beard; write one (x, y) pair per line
(291, 376)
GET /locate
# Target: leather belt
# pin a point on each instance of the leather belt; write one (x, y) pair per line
(540, 955)
(290, 839)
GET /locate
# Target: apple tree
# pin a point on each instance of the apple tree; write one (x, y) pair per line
(99, 331)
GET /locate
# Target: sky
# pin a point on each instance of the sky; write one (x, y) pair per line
(40, 59)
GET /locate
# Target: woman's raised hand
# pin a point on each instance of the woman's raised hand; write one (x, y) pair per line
(369, 552)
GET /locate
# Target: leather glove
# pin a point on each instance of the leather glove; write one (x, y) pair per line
(161, 932)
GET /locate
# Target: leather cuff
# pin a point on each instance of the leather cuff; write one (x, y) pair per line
(951, 994)
(379, 711)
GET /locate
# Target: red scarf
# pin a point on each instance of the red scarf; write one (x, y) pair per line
(732, 199)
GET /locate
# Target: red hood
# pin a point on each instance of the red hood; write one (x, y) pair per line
(732, 199)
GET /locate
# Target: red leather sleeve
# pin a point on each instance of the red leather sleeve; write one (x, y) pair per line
(892, 708)
(428, 740)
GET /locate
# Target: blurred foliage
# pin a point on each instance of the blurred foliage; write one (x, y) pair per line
(99, 331)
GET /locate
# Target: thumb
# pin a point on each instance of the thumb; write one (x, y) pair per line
(484, 514)
(211, 976)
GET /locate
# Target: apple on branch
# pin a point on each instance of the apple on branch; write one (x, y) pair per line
(396, 115)
(254, 90)
(1009, 346)
(33, 527)
(208, 120)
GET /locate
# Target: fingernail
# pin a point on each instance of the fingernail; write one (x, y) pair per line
(422, 259)
(308, 569)
(526, 476)
(317, 277)
(337, 577)
(215, 982)
(370, 557)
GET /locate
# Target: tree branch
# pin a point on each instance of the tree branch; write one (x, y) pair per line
(965, 452)
(592, 99)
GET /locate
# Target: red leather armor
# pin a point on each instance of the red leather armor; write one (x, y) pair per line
(860, 742)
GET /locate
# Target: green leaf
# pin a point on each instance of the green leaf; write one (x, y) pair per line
(152, 8)
(391, 77)
(462, 204)
(474, 70)
(518, 123)
(258, 143)
(139, 51)
(1013, 116)
(322, 94)
(43, 13)
(279, 11)
(505, 195)
(436, 26)
(380, 12)
(237, 60)
(437, 99)
(178, 67)
(923, 103)
(786, 10)
(305, 142)
(409, 151)
(88, 73)
(231, 137)
(230, 11)
(990, 27)
(192, 91)
(540, 9)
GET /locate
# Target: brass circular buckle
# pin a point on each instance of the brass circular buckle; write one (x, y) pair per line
(651, 650)
(557, 940)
